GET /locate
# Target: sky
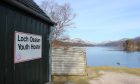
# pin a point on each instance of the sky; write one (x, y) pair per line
(104, 20)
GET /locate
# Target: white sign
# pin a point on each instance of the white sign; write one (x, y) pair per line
(27, 47)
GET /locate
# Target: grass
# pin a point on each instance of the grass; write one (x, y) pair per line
(96, 74)
(70, 79)
(93, 73)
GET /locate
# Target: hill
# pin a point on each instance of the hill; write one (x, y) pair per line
(118, 43)
(73, 42)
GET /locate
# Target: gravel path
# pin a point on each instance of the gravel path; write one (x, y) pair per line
(116, 78)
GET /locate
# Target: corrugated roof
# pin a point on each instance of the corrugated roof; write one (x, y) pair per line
(30, 6)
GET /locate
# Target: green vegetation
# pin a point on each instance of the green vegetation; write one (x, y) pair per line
(130, 45)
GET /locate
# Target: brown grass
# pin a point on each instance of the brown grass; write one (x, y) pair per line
(93, 72)
(71, 79)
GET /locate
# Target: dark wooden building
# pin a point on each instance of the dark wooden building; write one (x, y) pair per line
(24, 43)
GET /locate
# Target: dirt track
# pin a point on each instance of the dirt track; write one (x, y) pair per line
(109, 77)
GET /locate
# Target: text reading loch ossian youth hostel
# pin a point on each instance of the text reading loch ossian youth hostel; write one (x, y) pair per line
(27, 47)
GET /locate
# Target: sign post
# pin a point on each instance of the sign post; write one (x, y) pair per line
(27, 47)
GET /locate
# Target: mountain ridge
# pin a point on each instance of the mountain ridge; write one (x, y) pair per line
(118, 43)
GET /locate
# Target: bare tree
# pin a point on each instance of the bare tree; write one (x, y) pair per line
(61, 14)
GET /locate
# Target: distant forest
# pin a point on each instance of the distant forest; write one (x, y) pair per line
(130, 45)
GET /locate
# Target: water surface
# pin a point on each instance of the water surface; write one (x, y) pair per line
(105, 56)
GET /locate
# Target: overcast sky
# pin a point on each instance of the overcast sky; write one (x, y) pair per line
(104, 20)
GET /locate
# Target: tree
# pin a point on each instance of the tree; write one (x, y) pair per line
(65, 38)
(129, 45)
(61, 14)
(138, 45)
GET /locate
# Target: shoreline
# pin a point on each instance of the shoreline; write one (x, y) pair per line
(96, 70)
(113, 75)
(102, 75)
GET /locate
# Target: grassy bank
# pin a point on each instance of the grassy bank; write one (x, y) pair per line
(93, 72)
(70, 80)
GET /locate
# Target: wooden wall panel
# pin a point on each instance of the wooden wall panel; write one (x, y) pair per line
(71, 61)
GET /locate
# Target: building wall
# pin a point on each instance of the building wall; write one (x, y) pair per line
(29, 72)
(2, 43)
(70, 61)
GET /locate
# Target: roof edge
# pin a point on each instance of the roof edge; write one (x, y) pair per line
(21, 6)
